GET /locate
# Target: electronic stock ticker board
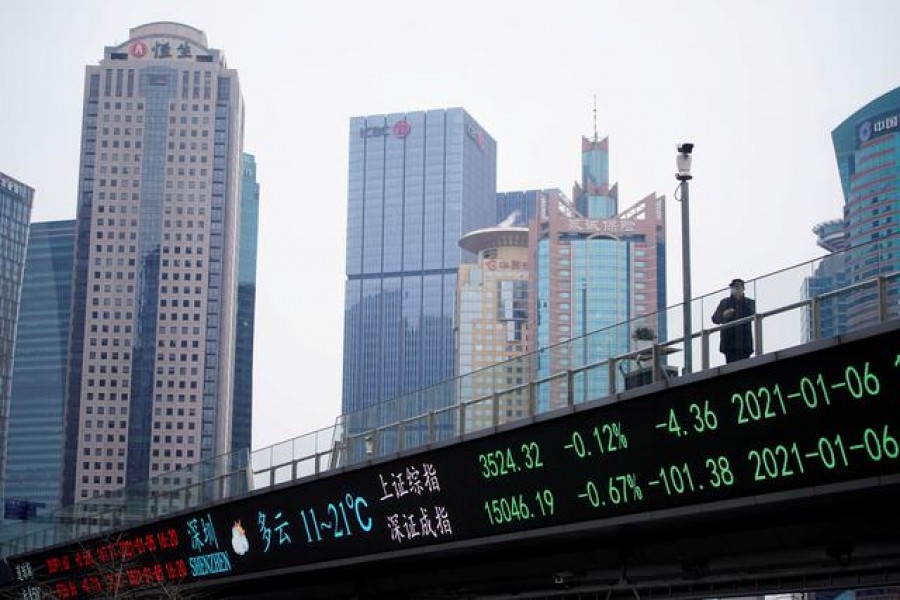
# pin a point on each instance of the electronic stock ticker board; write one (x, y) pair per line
(810, 420)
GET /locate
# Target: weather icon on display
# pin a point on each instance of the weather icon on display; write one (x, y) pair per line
(239, 539)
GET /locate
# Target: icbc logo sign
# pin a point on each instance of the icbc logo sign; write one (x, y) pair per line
(138, 49)
(399, 130)
(477, 135)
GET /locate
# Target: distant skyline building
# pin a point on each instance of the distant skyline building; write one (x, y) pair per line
(866, 147)
(242, 422)
(418, 181)
(35, 441)
(592, 271)
(830, 274)
(518, 209)
(151, 353)
(492, 324)
(15, 214)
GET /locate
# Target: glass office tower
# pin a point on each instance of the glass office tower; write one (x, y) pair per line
(867, 148)
(518, 209)
(151, 353)
(35, 442)
(830, 274)
(15, 214)
(594, 267)
(242, 423)
(418, 181)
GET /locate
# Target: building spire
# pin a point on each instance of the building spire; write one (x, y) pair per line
(595, 119)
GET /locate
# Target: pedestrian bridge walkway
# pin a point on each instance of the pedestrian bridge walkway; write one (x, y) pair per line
(790, 312)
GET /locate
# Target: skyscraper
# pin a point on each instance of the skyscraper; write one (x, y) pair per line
(593, 267)
(242, 423)
(492, 323)
(15, 214)
(830, 274)
(151, 353)
(867, 146)
(517, 209)
(418, 181)
(35, 441)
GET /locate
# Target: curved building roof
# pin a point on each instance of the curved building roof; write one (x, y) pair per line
(847, 136)
(169, 28)
(494, 237)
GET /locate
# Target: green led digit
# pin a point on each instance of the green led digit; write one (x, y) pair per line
(704, 418)
(514, 511)
(859, 385)
(808, 391)
(532, 455)
(720, 472)
(511, 462)
(503, 505)
(524, 511)
(578, 444)
(879, 447)
(772, 463)
(777, 393)
(677, 478)
(545, 502)
(796, 453)
(822, 386)
(827, 454)
(592, 494)
(673, 425)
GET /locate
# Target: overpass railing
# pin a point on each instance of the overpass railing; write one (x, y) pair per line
(794, 305)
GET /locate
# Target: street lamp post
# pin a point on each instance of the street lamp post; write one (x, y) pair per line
(683, 162)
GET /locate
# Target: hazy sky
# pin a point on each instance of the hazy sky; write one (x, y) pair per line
(756, 85)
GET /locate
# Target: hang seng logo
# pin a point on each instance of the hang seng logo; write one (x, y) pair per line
(138, 49)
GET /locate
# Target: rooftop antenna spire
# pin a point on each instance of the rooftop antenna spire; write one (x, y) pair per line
(595, 119)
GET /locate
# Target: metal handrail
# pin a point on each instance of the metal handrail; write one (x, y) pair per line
(704, 334)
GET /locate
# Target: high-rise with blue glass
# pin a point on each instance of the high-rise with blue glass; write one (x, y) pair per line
(15, 214)
(593, 268)
(35, 442)
(418, 182)
(242, 422)
(830, 274)
(517, 209)
(867, 148)
(151, 352)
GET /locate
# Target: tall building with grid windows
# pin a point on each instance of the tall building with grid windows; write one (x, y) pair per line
(418, 181)
(151, 351)
(15, 214)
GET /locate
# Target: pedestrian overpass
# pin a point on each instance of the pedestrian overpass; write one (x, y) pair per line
(774, 474)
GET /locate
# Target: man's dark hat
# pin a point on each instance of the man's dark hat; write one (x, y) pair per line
(735, 282)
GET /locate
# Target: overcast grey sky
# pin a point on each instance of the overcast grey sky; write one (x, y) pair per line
(756, 85)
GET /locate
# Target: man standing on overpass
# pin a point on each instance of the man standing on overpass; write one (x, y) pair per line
(735, 342)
